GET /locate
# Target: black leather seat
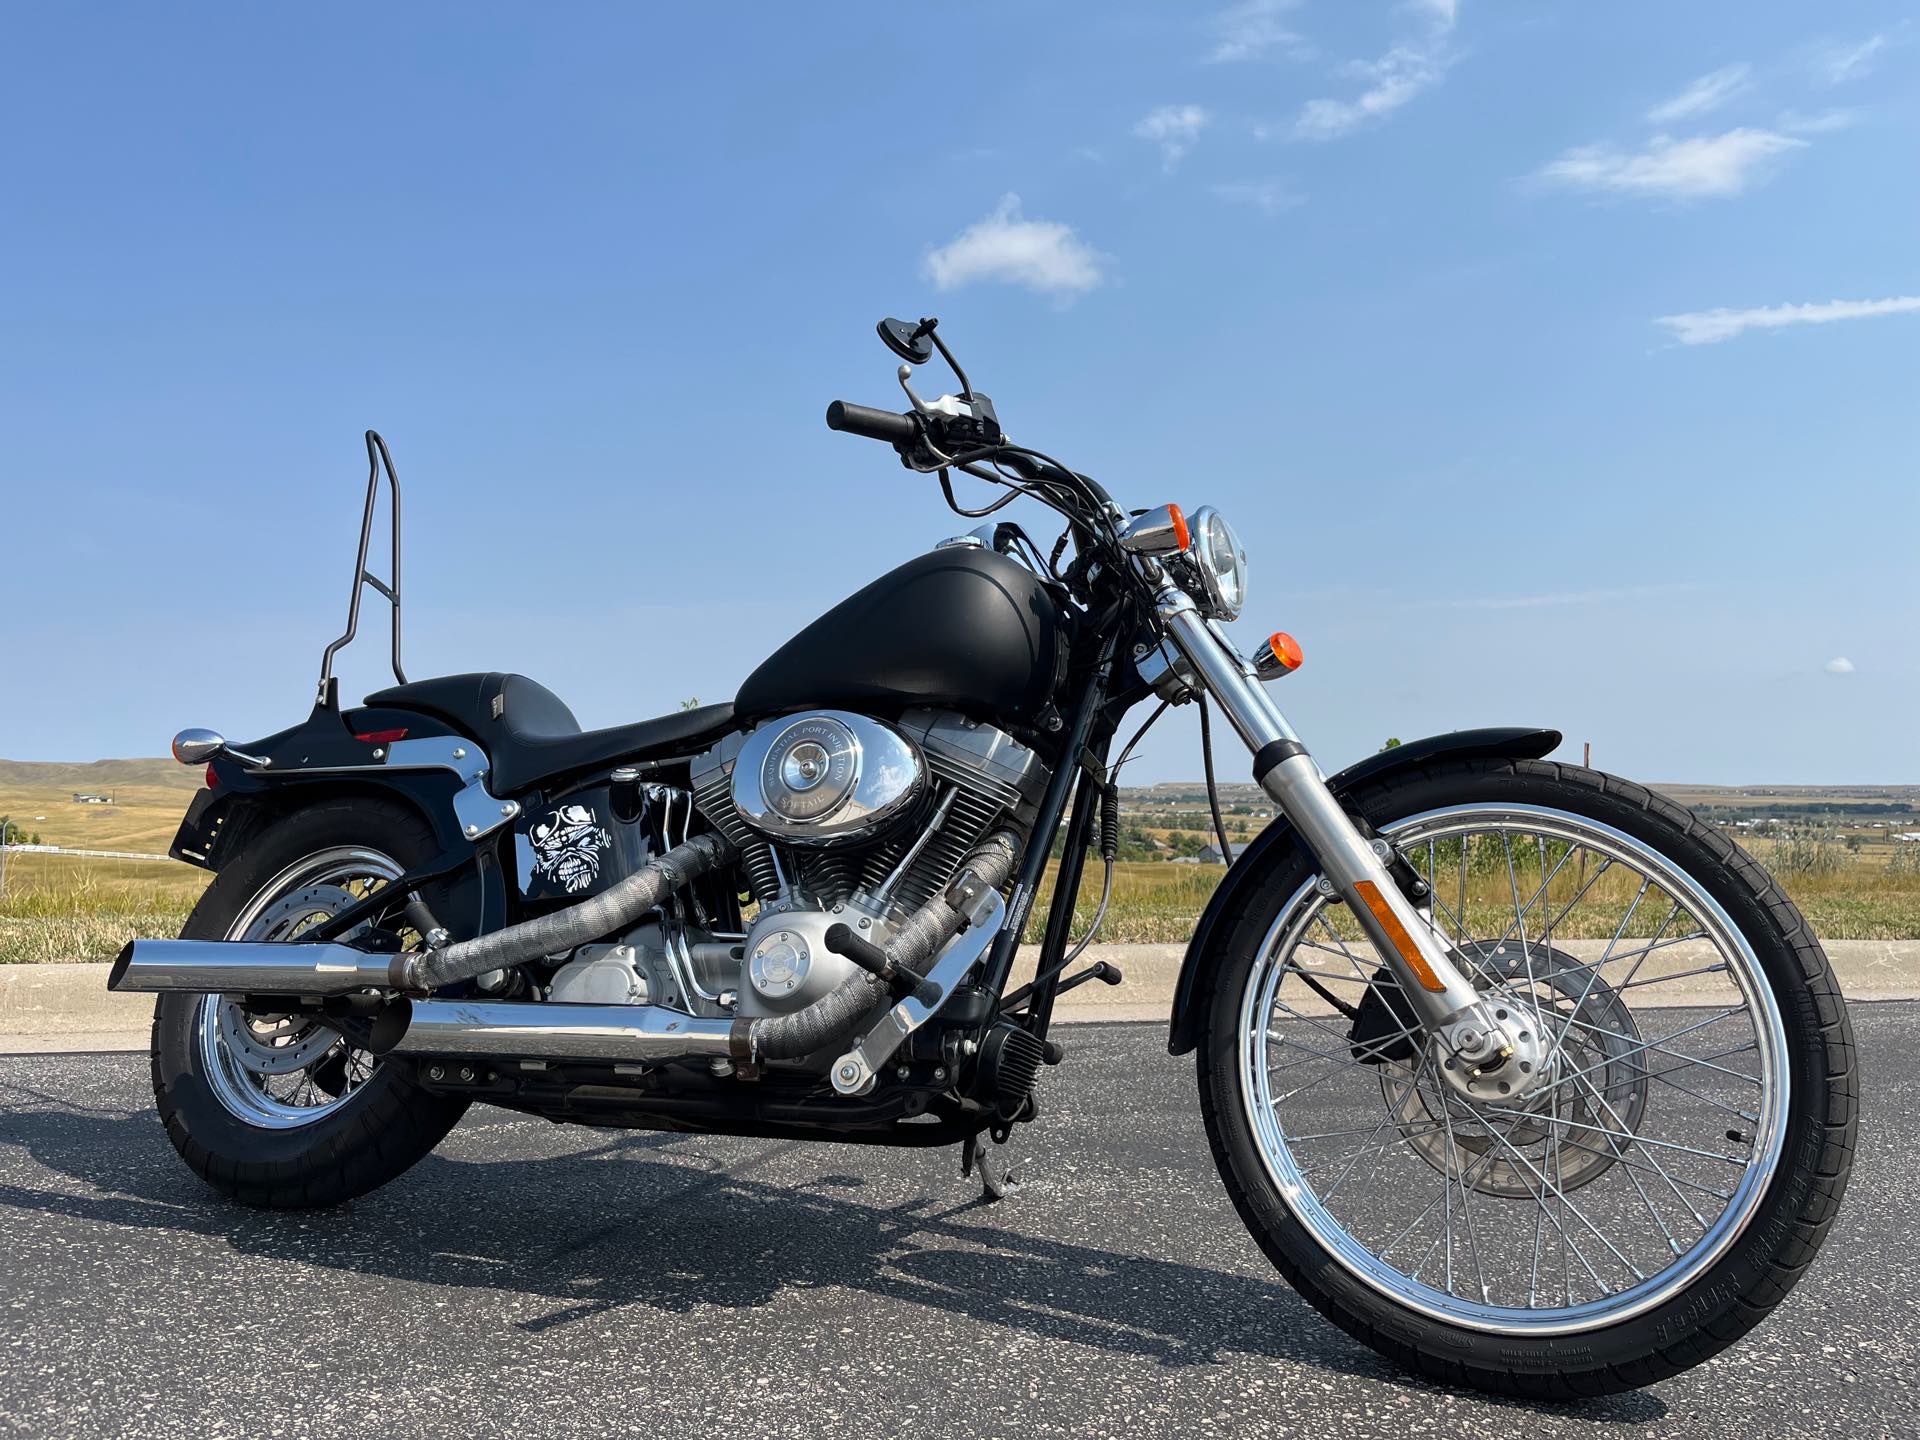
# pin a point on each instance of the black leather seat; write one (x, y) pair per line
(531, 735)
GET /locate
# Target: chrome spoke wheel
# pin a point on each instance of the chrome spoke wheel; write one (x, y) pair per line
(282, 1071)
(1596, 1174)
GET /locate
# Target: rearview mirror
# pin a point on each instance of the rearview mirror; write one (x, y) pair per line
(197, 747)
(905, 339)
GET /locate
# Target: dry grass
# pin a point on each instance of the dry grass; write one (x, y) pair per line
(71, 908)
(61, 907)
(143, 817)
(1860, 900)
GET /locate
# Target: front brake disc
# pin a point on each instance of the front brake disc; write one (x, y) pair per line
(1597, 1083)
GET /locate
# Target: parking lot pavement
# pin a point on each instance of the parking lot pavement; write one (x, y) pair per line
(534, 1280)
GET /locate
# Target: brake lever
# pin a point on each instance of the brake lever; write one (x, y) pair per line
(919, 405)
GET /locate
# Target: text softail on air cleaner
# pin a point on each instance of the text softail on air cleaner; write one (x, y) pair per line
(1521, 1073)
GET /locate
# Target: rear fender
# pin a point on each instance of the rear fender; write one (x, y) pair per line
(1505, 742)
(394, 754)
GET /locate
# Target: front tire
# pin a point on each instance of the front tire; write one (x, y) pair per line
(1699, 1153)
(273, 1110)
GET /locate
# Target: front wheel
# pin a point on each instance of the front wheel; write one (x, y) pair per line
(1636, 1200)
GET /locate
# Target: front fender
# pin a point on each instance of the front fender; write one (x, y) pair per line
(1514, 742)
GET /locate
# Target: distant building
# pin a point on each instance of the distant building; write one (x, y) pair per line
(1212, 856)
(86, 797)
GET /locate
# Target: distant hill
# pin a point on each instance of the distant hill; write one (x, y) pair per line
(98, 774)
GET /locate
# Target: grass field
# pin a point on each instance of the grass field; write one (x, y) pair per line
(57, 907)
(60, 907)
(1158, 902)
(63, 907)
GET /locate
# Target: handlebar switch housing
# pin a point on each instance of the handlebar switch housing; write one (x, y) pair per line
(956, 425)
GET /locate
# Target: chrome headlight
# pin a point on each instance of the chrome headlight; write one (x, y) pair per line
(1221, 563)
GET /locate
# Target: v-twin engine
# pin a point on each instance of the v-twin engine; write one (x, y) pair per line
(841, 818)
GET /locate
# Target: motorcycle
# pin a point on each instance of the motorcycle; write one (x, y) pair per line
(1521, 1073)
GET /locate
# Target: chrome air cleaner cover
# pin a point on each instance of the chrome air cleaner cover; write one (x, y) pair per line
(825, 775)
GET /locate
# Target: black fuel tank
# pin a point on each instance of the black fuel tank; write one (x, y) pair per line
(963, 626)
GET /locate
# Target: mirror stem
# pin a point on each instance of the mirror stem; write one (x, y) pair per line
(928, 329)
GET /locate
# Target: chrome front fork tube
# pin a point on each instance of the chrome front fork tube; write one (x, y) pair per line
(1413, 951)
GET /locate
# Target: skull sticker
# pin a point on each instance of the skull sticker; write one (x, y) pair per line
(567, 846)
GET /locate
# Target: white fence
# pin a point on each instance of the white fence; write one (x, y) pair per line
(91, 854)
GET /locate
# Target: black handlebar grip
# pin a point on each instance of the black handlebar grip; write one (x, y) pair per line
(885, 425)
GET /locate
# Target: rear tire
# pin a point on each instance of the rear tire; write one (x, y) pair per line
(238, 1137)
(1464, 1344)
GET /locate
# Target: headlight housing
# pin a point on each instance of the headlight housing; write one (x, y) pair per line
(1221, 564)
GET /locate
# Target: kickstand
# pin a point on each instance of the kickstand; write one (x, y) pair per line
(989, 1155)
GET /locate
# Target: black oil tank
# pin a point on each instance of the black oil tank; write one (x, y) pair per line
(961, 626)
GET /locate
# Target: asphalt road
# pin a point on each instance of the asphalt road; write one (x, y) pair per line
(538, 1280)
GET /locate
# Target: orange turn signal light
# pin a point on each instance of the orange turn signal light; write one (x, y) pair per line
(1279, 656)
(1396, 933)
(1158, 532)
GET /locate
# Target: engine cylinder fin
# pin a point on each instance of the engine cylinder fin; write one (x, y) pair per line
(715, 802)
(827, 875)
(966, 821)
(974, 782)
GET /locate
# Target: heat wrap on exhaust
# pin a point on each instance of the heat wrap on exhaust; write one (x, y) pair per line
(604, 914)
(832, 1017)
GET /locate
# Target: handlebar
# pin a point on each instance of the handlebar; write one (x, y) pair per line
(902, 431)
(893, 428)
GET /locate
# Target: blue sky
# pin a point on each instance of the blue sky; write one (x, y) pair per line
(1556, 361)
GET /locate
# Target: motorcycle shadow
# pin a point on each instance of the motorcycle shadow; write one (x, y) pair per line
(663, 1222)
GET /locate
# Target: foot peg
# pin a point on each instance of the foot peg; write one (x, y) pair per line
(899, 980)
(1106, 972)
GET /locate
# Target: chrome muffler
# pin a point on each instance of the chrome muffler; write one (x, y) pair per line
(502, 1029)
(244, 967)
(532, 1030)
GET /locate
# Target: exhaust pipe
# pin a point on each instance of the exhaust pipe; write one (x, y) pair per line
(266, 968)
(528, 1030)
(653, 1034)
(241, 967)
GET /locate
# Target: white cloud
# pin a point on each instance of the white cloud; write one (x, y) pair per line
(1849, 62)
(1267, 196)
(1821, 122)
(1709, 327)
(1250, 29)
(1707, 166)
(1839, 665)
(1174, 128)
(1006, 248)
(1394, 79)
(1406, 70)
(1709, 92)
